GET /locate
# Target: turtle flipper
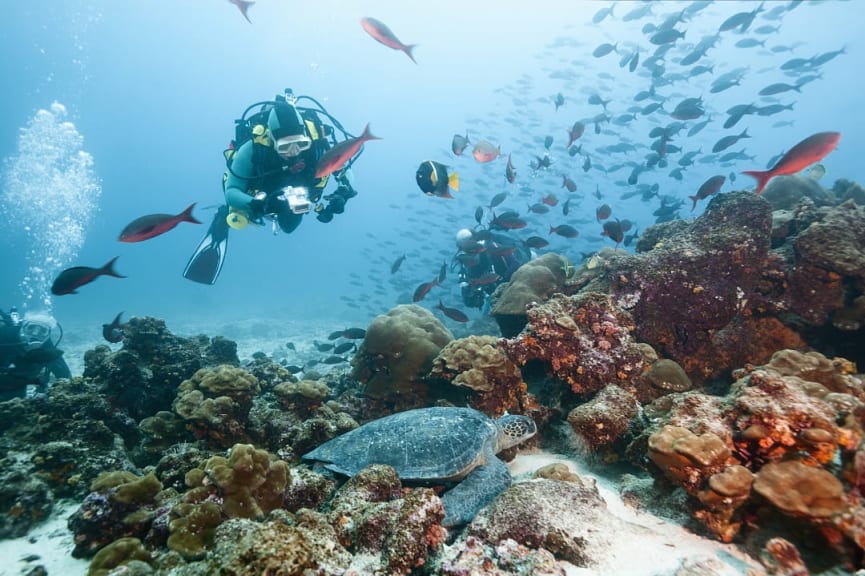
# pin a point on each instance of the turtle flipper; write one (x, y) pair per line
(479, 488)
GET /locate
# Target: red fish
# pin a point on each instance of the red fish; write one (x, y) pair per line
(379, 30)
(550, 199)
(422, 290)
(486, 279)
(77, 276)
(486, 151)
(147, 227)
(708, 188)
(613, 231)
(569, 184)
(453, 313)
(810, 150)
(336, 157)
(243, 6)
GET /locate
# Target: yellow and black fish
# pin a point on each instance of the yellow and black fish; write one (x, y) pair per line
(433, 179)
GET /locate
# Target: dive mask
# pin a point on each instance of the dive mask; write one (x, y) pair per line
(291, 146)
(35, 332)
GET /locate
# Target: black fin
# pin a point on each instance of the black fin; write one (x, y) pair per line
(206, 262)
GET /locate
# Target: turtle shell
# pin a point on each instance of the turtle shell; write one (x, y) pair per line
(440, 443)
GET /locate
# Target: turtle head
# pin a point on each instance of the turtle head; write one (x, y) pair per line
(513, 429)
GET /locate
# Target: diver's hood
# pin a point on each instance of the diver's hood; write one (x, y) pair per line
(284, 120)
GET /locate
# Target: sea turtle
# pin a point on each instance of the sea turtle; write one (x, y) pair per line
(441, 444)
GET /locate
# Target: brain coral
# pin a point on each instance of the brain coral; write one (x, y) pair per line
(398, 351)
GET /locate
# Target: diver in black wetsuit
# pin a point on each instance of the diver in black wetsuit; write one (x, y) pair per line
(28, 353)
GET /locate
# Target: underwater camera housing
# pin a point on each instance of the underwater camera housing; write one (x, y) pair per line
(297, 198)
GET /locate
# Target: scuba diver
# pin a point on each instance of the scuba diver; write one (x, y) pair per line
(486, 259)
(29, 353)
(270, 173)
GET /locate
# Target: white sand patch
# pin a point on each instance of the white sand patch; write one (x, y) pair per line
(48, 544)
(656, 546)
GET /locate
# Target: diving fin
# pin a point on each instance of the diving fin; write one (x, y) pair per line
(206, 262)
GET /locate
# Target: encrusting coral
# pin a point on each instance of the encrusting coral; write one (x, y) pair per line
(492, 380)
(215, 403)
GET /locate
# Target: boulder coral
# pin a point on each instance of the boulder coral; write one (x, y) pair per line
(534, 281)
(397, 352)
(476, 364)
(582, 340)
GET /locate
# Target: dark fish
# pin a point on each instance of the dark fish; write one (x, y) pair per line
(603, 212)
(497, 199)
(564, 230)
(741, 20)
(383, 34)
(604, 49)
(293, 368)
(613, 230)
(569, 184)
(322, 346)
(542, 162)
(575, 132)
(243, 6)
(152, 225)
(539, 208)
(422, 290)
(809, 151)
(507, 222)
(433, 179)
(77, 276)
(459, 143)
(479, 214)
(452, 313)
(443, 272)
(688, 109)
(113, 332)
(587, 163)
(396, 264)
(558, 100)
(348, 334)
(666, 36)
(728, 141)
(344, 347)
(548, 141)
(510, 171)
(535, 242)
(566, 207)
(708, 188)
(291, 346)
(779, 88)
(334, 359)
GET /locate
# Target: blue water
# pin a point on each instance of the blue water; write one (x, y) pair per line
(151, 90)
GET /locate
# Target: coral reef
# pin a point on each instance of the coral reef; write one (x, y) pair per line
(119, 553)
(215, 403)
(583, 340)
(772, 445)
(142, 377)
(533, 282)
(120, 505)
(785, 192)
(397, 352)
(475, 363)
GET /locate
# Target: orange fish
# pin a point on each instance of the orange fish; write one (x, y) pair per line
(379, 30)
(810, 150)
(486, 151)
(336, 157)
(243, 6)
